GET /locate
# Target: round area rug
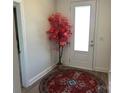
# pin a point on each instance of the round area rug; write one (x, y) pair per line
(71, 81)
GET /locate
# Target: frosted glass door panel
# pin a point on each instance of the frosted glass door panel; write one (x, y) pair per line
(82, 28)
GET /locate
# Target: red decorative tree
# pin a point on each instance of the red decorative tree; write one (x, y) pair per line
(59, 32)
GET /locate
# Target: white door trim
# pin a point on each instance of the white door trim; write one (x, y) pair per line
(22, 36)
(17, 1)
(16, 74)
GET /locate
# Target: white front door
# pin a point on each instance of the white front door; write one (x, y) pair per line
(82, 44)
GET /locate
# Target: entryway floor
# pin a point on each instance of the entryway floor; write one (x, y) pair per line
(35, 87)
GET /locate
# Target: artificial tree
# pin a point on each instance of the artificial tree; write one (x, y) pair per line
(59, 32)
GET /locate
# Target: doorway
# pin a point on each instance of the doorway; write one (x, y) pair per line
(82, 44)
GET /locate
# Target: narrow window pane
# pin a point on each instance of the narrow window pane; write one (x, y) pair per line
(82, 25)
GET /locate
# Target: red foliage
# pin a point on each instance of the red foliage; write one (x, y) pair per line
(60, 29)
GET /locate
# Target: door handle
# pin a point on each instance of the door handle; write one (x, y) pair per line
(92, 43)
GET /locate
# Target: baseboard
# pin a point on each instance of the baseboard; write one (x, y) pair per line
(101, 69)
(40, 75)
(87, 68)
(95, 69)
(109, 82)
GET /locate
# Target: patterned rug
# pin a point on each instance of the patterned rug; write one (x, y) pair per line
(71, 81)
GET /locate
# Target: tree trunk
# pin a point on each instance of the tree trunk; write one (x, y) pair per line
(60, 55)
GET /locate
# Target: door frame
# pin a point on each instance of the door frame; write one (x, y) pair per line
(16, 70)
(18, 4)
(92, 27)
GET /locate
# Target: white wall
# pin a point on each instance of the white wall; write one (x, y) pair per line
(38, 51)
(102, 33)
(103, 36)
(63, 6)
